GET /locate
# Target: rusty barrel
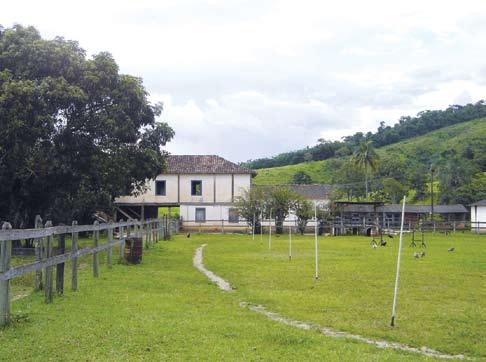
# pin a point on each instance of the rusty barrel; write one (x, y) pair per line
(133, 250)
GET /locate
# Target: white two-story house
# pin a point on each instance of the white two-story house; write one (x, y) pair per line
(204, 187)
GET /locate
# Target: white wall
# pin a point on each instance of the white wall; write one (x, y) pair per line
(223, 188)
(478, 215)
(221, 194)
(242, 182)
(150, 197)
(207, 188)
(214, 214)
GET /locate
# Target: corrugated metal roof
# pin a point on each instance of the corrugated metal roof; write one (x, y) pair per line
(397, 208)
(479, 203)
(424, 209)
(310, 192)
(203, 164)
(358, 208)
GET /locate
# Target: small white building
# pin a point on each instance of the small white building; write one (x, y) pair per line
(203, 186)
(478, 217)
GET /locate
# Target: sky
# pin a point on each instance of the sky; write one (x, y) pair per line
(249, 79)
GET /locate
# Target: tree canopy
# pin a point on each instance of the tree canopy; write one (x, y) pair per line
(366, 158)
(74, 132)
(301, 178)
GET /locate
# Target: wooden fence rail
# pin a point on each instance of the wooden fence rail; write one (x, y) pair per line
(151, 231)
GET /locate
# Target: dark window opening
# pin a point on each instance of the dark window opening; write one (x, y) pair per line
(196, 188)
(233, 216)
(160, 188)
(200, 214)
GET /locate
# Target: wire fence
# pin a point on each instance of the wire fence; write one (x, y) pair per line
(334, 226)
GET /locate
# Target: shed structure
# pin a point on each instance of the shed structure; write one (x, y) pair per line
(478, 217)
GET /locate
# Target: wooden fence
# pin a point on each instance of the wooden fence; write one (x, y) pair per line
(151, 231)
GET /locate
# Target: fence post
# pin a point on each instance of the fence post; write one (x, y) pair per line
(145, 234)
(74, 262)
(135, 228)
(150, 232)
(454, 226)
(156, 230)
(164, 226)
(38, 254)
(96, 236)
(121, 235)
(109, 256)
(167, 227)
(49, 270)
(5, 255)
(61, 248)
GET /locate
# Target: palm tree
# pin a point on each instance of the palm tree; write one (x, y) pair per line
(365, 157)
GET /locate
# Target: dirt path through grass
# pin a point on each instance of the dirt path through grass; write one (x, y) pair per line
(198, 263)
(329, 332)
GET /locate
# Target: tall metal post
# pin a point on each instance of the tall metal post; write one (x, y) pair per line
(395, 293)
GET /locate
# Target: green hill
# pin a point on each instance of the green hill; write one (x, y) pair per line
(463, 138)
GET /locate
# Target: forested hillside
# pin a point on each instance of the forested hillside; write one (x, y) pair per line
(405, 128)
(456, 154)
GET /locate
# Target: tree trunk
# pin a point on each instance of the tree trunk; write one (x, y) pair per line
(366, 182)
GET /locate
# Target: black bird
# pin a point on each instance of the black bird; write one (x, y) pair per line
(451, 249)
(390, 236)
(383, 243)
(189, 235)
(422, 254)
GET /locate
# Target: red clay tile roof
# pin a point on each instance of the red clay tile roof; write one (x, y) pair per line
(205, 164)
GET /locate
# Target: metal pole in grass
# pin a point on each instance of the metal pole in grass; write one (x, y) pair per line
(253, 229)
(290, 242)
(395, 294)
(261, 229)
(270, 232)
(315, 239)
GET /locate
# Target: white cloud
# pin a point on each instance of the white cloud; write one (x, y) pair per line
(249, 78)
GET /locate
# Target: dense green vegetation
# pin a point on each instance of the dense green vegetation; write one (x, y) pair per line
(406, 128)
(74, 132)
(164, 309)
(456, 153)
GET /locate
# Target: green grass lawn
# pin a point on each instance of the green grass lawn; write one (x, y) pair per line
(165, 309)
(442, 297)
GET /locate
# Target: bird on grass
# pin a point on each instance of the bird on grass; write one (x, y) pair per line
(422, 254)
(383, 243)
(451, 249)
(390, 236)
(189, 235)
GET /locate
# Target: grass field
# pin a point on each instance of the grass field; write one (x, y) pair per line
(166, 309)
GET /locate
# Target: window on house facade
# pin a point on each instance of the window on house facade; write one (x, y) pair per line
(196, 188)
(160, 188)
(233, 216)
(200, 214)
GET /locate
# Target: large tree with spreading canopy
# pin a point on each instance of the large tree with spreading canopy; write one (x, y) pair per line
(74, 132)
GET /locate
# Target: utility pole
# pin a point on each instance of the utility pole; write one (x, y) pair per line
(432, 170)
